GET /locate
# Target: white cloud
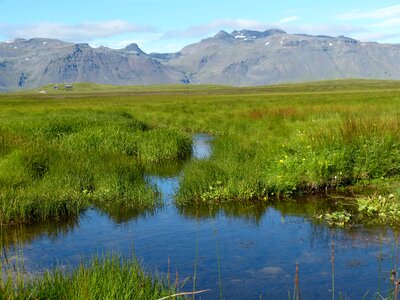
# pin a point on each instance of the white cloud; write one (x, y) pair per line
(380, 13)
(392, 22)
(289, 19)
(377, 36)
(160, 47)
(207, 28)
(85, 31)
(212, 27)
(325, 29)
(380, 24)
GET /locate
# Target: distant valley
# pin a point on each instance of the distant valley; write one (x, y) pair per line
(240, 58)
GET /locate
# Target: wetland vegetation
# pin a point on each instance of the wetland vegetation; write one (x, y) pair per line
(62, 152)
(105, 277)
(56, 163)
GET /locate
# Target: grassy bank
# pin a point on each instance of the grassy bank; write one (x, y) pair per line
(270, 141)
(53, 164)
(110, 277)
(297, 156)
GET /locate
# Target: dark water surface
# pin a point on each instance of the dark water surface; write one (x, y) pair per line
(256, 247)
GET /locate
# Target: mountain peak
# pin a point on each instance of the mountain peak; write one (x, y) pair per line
(35, 43)
(347, 39)
(273, 31)
(222, 35)
(133, 48)
(19, 40)
(253, 34)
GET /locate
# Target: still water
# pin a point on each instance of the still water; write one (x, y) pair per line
(239, 252)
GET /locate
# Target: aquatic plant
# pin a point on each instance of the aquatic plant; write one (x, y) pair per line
(337, 218)
(377, 210)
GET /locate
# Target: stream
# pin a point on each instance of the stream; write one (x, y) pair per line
(241, 252)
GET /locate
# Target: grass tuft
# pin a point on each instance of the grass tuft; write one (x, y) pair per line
(104, 277)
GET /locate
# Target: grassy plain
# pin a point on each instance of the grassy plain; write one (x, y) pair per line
(63, 150)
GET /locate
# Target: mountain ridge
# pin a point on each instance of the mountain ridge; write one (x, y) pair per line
(240, 58)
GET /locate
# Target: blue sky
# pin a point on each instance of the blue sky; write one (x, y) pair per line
(167, 26)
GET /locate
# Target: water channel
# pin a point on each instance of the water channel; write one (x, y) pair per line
(241, 252)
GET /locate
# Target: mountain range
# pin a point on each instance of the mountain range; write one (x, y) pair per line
(240, 58)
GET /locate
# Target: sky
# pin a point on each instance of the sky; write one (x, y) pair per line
(167, 26)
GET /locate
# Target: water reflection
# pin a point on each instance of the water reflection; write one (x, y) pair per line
(258, 250)
(251, 213)
(120, 214)
(258, 246)
(24, 234)
(164, 177)
(202, 146)
(165, 169)
(307, 207)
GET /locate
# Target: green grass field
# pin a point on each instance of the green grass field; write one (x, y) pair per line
(61, 151)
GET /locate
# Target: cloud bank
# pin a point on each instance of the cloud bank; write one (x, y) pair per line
(217, 24)
(85, 31)
(380, 13)
(211, 27)
(380, 24)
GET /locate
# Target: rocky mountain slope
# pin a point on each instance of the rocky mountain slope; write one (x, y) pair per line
(36, 62)
(241, 58)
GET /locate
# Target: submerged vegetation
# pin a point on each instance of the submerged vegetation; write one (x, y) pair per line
(373, 210)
